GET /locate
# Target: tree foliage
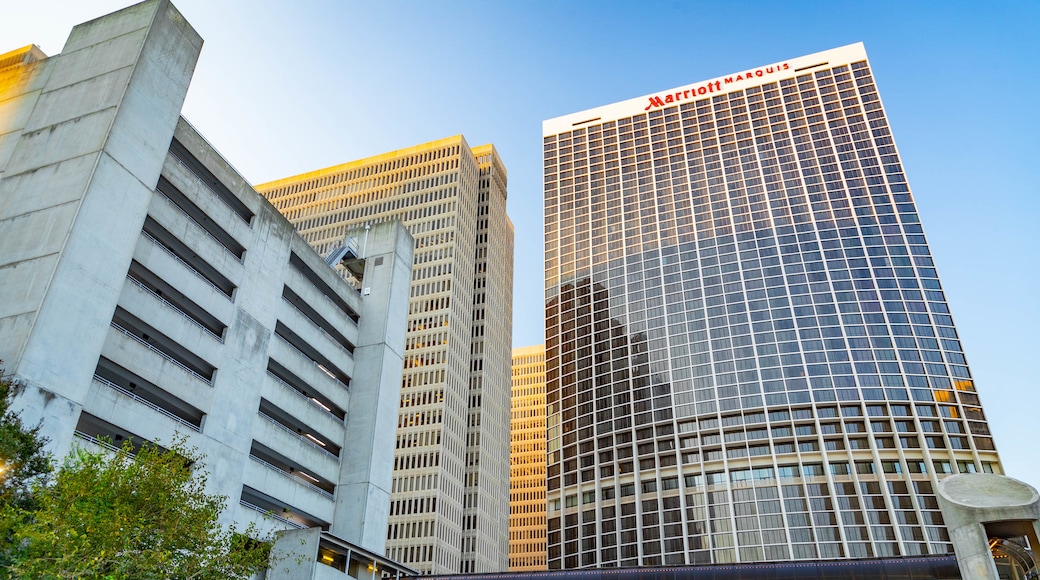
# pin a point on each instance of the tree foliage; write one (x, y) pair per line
(22, 463)
(134, 514)
(22, 458)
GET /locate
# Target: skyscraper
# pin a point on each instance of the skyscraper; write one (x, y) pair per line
(749, 355)
(449, 503)
(527, 461)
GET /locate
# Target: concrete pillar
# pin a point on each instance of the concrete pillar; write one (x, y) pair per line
(980, 506)
(363, 493)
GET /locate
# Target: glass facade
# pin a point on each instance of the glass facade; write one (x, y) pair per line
(749, 355)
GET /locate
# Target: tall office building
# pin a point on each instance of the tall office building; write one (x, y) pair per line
(449, 507)
(148, 293)
(527, 461)
(749, 355)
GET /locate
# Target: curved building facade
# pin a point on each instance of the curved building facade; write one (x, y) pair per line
(749, 355)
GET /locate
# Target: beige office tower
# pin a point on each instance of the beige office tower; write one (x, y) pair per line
(448, 509)
(527, 461)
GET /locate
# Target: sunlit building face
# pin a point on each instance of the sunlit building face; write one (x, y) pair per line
(749, 355)
(527, 461)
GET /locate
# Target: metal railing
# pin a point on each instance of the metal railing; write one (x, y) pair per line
(210, 187)
(302, 438)
(169, 358)
(166, 303)
(270, 514)
(337, 306)
(147, 403)
(318, 326)
(307, 283)
(317, 364)
(94, 440)
(288, 475)
(186, 265)
(310, 400)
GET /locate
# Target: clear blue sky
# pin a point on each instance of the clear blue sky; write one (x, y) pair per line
(283, 88)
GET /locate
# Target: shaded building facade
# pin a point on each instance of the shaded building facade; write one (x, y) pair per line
(449, 507)
(749, 356)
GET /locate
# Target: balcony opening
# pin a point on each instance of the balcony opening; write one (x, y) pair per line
(275, 461)
(210, 181)
(302, 389)
(322, 286)
(171, 297)
(324, 364)
(133, 386)
(106, 435)
(201, 219)
(305, 433)
(310, 314)
(162, 345)
(279, 510)
(185, 255)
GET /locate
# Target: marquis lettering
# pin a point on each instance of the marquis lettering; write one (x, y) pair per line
(712, 87)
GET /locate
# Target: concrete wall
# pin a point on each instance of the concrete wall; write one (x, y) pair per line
(75, 191)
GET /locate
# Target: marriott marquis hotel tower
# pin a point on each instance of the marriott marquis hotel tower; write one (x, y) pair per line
(749, 354)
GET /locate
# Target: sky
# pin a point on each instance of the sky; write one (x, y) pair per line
(283, 88)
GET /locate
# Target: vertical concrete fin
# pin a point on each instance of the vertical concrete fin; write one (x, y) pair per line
(363, 494)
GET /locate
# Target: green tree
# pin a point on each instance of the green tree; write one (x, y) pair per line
(22, 459)
(136, 514)
(22, 463)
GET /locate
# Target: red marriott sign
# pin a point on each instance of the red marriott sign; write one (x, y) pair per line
(713, 86)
